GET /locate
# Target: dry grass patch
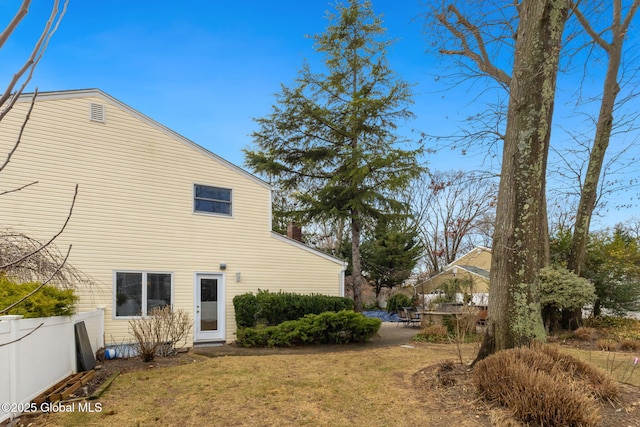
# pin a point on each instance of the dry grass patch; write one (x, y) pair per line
(620, 366)
(433, 333)
(607, 344)
(629, 345)
(544, 386)
(585, 334)
(372, 388)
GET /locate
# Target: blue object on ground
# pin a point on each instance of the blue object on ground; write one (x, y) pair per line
(382, 315)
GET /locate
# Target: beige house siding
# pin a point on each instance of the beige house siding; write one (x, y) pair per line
(466, 267)
(134, 208)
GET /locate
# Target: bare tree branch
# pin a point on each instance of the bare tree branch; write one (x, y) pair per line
(482, 59)
(589, 29)
(19, 138)
(9, 97)
(24, 336)
(40, 286)
(18, 17)
(452, 211)
(19, 188)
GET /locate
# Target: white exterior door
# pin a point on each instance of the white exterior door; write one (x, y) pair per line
(209, 307)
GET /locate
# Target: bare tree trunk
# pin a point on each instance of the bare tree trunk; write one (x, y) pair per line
(520, 246)
(604, 126)
(356, 261)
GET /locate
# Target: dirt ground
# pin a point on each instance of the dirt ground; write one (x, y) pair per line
(448, 389)
(390, 334)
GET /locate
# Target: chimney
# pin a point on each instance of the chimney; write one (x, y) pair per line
(294, 231)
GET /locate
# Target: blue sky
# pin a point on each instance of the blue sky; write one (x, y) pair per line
(206, 68)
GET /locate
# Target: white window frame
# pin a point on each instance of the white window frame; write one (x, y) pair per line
(143, 282)
(230, 202)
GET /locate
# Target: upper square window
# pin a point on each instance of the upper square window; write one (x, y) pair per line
(212, 199)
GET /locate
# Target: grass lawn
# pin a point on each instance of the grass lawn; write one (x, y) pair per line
(372, 388)
(366, 388)
(621, 366)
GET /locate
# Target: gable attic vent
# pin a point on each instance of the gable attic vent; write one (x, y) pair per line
(96, 112)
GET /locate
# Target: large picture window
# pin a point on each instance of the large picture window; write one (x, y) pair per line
(212, 199)
(137, 293)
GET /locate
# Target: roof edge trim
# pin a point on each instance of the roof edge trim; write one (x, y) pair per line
(83, 93)
(307, 248)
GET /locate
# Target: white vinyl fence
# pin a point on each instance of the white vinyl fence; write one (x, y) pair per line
(37, 353)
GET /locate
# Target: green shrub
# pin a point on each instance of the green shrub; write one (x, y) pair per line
(457, 285)
(616, 327)
(48, 301)
(560, 289)
(326, 328)
(246, 309)
(271, 308)
(397, 301)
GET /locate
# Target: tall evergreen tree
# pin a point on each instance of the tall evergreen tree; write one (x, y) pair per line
(334, 135)
(391, 253)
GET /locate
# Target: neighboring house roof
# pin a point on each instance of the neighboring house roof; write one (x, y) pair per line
(84, 93)
(476, 262)
(478, 256)
(475, 270)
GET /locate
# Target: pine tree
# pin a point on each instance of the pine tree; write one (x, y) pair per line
(391, 253)
(332, 136)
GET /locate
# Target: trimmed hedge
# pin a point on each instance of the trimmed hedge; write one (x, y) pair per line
(270, 309)
(48, 301)
(325, 328)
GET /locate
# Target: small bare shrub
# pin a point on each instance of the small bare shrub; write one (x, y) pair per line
(514, 378)
(444, 374)
(607, 345)
(463, 325)
(446, 365)
(159, 333)
(585, 334)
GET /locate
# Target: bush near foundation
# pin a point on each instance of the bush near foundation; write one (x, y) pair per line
(272, 308)
(47, 302)
(161, 332)
(543, 386)
(325, 328)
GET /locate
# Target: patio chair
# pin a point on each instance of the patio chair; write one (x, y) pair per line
(413, 316)
(403, 317)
